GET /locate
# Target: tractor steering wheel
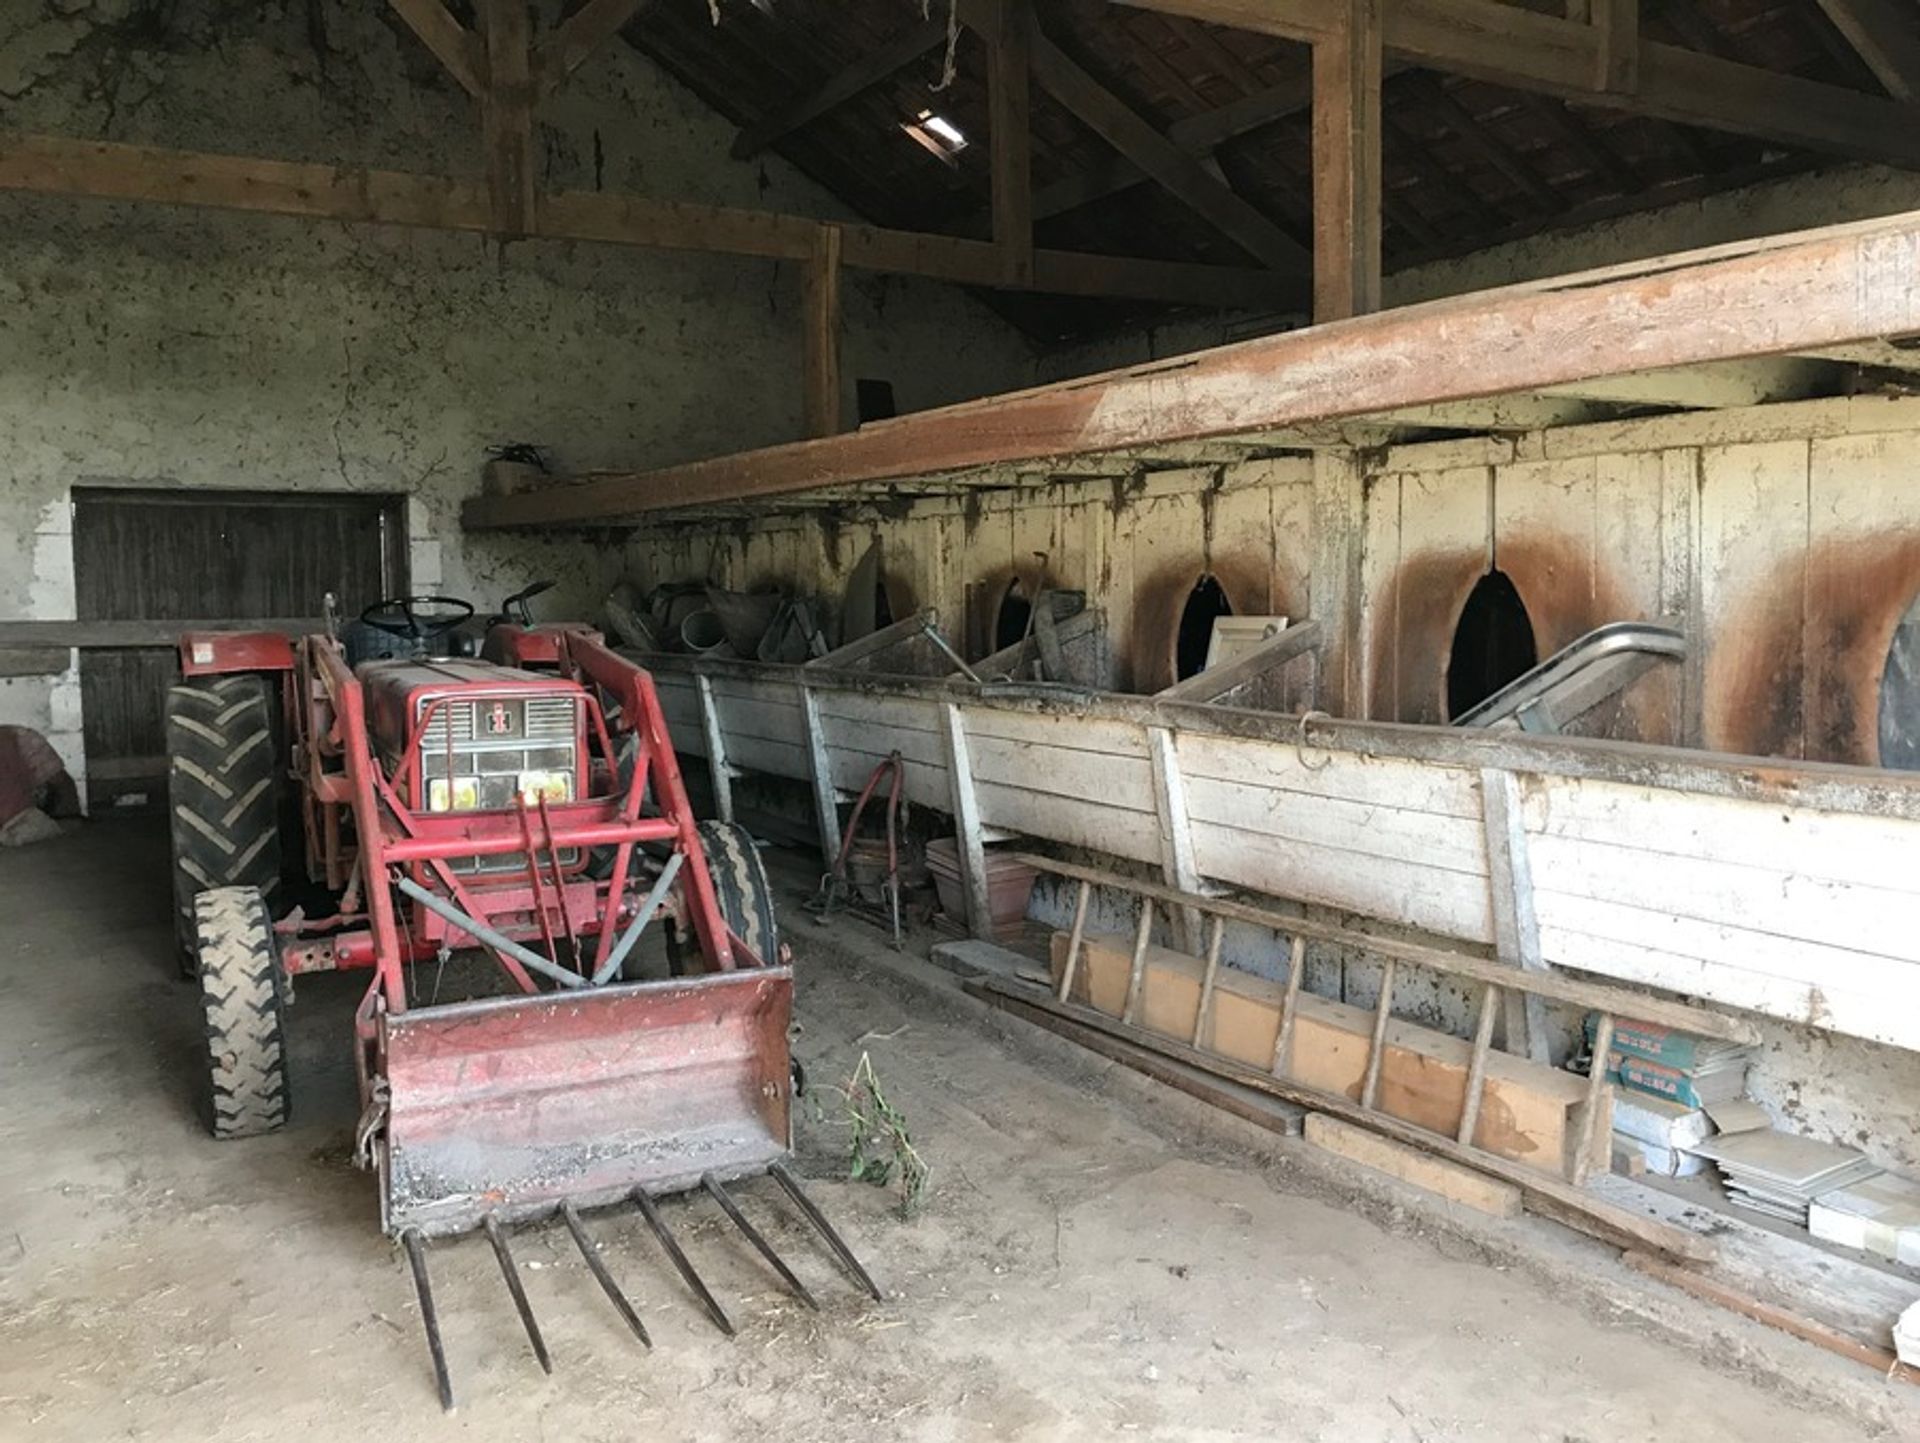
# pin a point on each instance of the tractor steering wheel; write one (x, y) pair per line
(399, 616)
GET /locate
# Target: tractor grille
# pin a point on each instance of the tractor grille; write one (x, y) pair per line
(481, 754)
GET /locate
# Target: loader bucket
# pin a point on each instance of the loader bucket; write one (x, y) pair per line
(511, 1106)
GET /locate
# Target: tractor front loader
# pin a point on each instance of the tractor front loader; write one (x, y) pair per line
(528, 805)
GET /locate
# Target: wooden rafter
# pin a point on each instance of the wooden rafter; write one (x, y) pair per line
(1616, 25)
(1133, 137)
(1886, 37)
(1790, 294)
(456, 47)
(856, 79)
(1506, 45)
(1010, 135)
(569, 44)
(56, 165)
(1476, 138)
(506, 114)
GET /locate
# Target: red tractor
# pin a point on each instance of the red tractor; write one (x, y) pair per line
(524, 802)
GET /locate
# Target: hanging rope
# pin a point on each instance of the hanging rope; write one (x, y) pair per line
(947, 65)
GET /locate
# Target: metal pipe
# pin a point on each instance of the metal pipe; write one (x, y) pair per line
(431, 844)
(932, 633)
(819, 1219)
(681, 1261)
(481, 932)
(640, 919)
(752, 1235)
(590, 1250)
(417, 1260)
(498, 1238)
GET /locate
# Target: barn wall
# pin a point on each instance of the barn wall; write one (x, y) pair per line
(149, 346)
(1782, 536)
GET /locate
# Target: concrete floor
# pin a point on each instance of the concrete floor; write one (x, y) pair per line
(1093, 1260)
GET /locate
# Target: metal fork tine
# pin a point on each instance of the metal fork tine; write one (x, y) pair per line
(681, 1261)
(498, 1238)
(591, 1253)
(819, 1220)
(417, 1260)
(765, 1248)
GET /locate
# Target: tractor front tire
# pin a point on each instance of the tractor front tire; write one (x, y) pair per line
(245, 999)
(222, 802)
(740, 886)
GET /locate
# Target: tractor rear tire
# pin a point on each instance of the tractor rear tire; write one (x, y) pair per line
(244, 994)
(740, 885)
(222, 801)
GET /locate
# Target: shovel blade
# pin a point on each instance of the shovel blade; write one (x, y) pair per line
(510, 1106)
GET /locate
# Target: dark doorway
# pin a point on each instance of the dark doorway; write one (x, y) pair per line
(1206, 603)
(1900, 696)
(873, 400)
(168, 556)
(1010, 622)
(1492, 643)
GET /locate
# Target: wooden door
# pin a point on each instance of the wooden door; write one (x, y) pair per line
(163, 557)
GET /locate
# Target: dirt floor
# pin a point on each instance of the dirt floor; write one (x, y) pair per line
(1091, 1262)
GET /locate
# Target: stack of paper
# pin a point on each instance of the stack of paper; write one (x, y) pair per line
(1779, 1174)
(1880, 1216)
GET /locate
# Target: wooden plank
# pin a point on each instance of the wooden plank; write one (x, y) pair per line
(457, 48)
(1822, 288)
(856, 79)
(1010, 138)
(1557, 986)
(1506, 45)
(965, 807)
(1123, 784)
(1116, 123)
(1885, 36)
(1464, 1185)
(108, 170)
(820, 357)
(1516, 929)
(1811, 1330)
(34, 660)
(1610, 1219)
(571, 43)
(89, 634)
(826, 802)
(1370, 829)
(1346, 166)
(506, 116)
(1300, 639)
(716, 748)
(1176, 829)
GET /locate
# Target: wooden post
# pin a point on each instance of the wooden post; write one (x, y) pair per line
(1074, 939)
(1176, 831)
(1283, 1040)
(717, 768)
(1203, 1014)
(1010, 139)
(1616, 25)
(507, 117)
(820, 364)
(1377, 1049)
(1346, 166)
(1477, 1064)
(966, 821)
(1516, 930)
(826, 800)
(1593, 1132)
(1137, 975)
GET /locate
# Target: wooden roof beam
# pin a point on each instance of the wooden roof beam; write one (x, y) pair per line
(1525, 50)
(1838, 286)
(1884, 35)
(1115, 122)
(457, 48)
(858, 78)
(107, 170)
(569, 45)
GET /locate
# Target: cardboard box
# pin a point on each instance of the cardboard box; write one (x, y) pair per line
(1529, 1112)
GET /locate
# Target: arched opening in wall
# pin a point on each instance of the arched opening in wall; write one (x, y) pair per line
(1011, 620)
(1492, 643)
(1193, 637)
(1900, 695)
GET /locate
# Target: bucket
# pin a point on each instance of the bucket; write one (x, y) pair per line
(1009, 886)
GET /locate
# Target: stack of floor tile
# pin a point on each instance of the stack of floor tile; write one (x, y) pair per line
(1880, 1216)
(1779, 1174)
(1660, 1062)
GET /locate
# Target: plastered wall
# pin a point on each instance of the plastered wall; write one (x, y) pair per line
(1782, 537)
(142, 345)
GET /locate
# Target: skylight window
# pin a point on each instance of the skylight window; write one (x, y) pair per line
(938, 135)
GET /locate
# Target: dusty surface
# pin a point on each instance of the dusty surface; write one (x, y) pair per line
(1086, 1266)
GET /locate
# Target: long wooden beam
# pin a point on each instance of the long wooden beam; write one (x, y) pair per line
(56, 165)
(455, 46)
(1346, 166)
(1506, 45)
(859, 77)
(1010, 137)
(1884, 35)
(1837, 286)
(1133, 137)
(506, 116)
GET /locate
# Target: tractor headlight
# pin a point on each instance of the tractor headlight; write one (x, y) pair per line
(459, 794)
(536, 787)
